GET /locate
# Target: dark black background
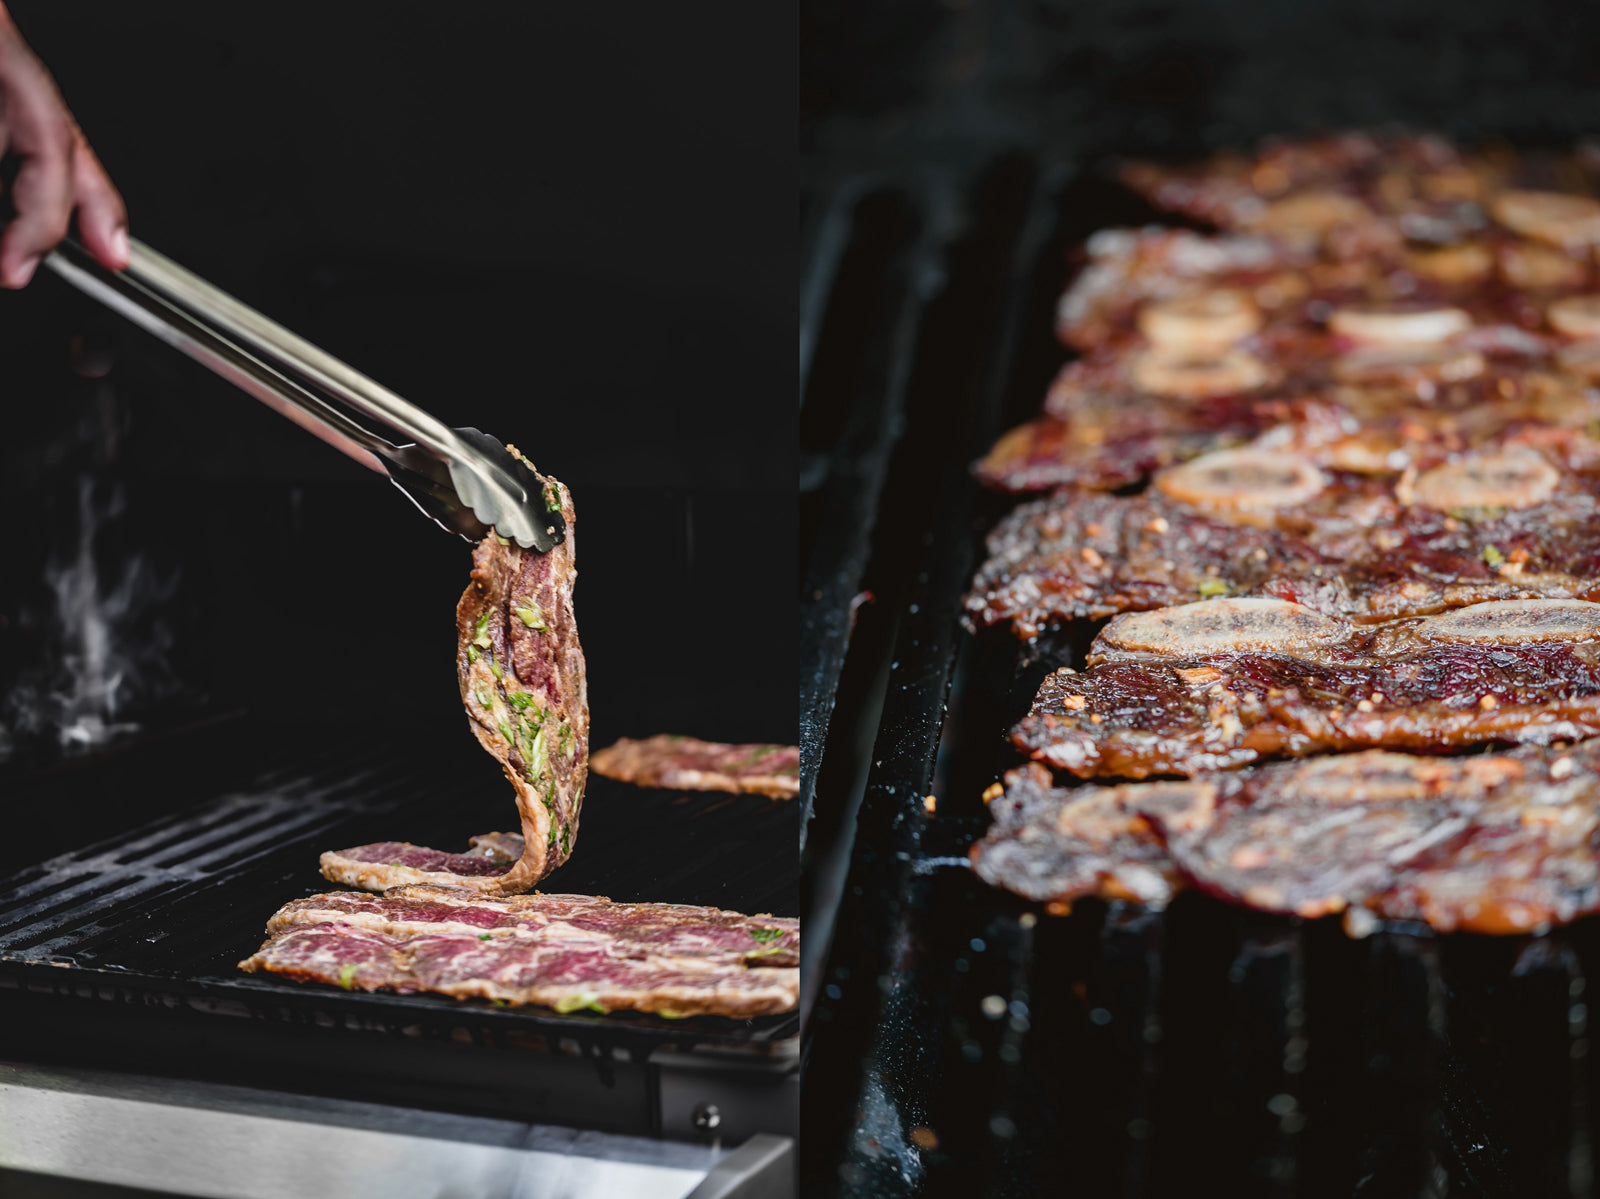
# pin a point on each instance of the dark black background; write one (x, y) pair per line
(570, 225)
(889, 77)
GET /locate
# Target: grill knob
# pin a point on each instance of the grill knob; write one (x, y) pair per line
(707, 1117)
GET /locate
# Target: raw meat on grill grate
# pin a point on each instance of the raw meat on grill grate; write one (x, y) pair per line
(385, 864)
(689, 764)
(562, 951)
(1490, 843)
(521, 671)
(1216, 685)
(671, 929)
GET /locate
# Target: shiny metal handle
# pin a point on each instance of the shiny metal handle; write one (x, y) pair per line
(125, 295)
(465, 480)
(254, 331)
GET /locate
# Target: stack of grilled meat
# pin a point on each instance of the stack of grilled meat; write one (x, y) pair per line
(1334, 472)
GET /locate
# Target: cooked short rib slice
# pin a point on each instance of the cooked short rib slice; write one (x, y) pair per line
(689, 764)
(1214, 686)
(1351, 195)
(565, 952)
(1352, 549)
(1503, 843)
(521, 671)
(1129, 270)
(1489, 843)
(1054, 844)
(1374, 409)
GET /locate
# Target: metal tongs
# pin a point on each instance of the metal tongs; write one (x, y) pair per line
(463, 479)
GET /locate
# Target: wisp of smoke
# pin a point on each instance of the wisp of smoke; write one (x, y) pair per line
(106, 646)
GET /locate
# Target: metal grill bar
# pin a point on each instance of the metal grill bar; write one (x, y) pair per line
(147, 926)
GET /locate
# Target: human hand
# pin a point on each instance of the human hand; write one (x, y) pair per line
(58, 173)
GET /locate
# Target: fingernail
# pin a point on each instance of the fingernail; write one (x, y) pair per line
(25, 272)
(119, 243)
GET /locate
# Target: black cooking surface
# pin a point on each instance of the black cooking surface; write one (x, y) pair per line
(152, 920)
(964, 1042)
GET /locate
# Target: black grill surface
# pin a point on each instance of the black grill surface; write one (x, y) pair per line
(123, 951)
(963, 1042)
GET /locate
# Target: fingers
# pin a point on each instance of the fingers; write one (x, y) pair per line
(59, 172)
(102, 217)
(42, 196)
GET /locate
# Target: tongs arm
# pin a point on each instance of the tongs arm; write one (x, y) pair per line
(121, 292)
(464, 479)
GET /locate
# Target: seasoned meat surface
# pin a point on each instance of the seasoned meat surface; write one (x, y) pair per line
(689, 764)
(1352, 195)
(1214, 686)
(1051, 843)
(1373, 411)
(1273, 524)
(521, 671)
(385, 864)
(562, 951)
(1488, 843)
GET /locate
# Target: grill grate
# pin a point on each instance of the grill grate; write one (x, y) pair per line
(988, 1049)
(127, 947)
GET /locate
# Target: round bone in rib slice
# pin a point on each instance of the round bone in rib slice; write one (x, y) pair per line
(1524, 620)
(1452, 264)
(1553, 217)
(1576, 316)
(1408, 365)
(1243, 624)
(1211, 320)
(1373, 776)
(1581, 360)
(1245, 486)
(1514, 477)
(1399, 326)
(1532, 266)
(1195, 374)
(1310, 212)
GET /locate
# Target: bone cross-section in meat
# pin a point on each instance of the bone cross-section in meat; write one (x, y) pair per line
(1352, 194)
(520, 667)
(1495, 843)
(568, 952)
(1182, 704)
(689, 764)
(1350, 551)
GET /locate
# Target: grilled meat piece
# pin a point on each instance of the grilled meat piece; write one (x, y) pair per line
(1103, 440)
(1491, 843)
(1351, 195)
(1214, 686)
(1129, 268)
(1502, 522)
(568, 952)
(689, 764)
(1050, 843)
(1370, 408)
(521, 671)
(1487, 843)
